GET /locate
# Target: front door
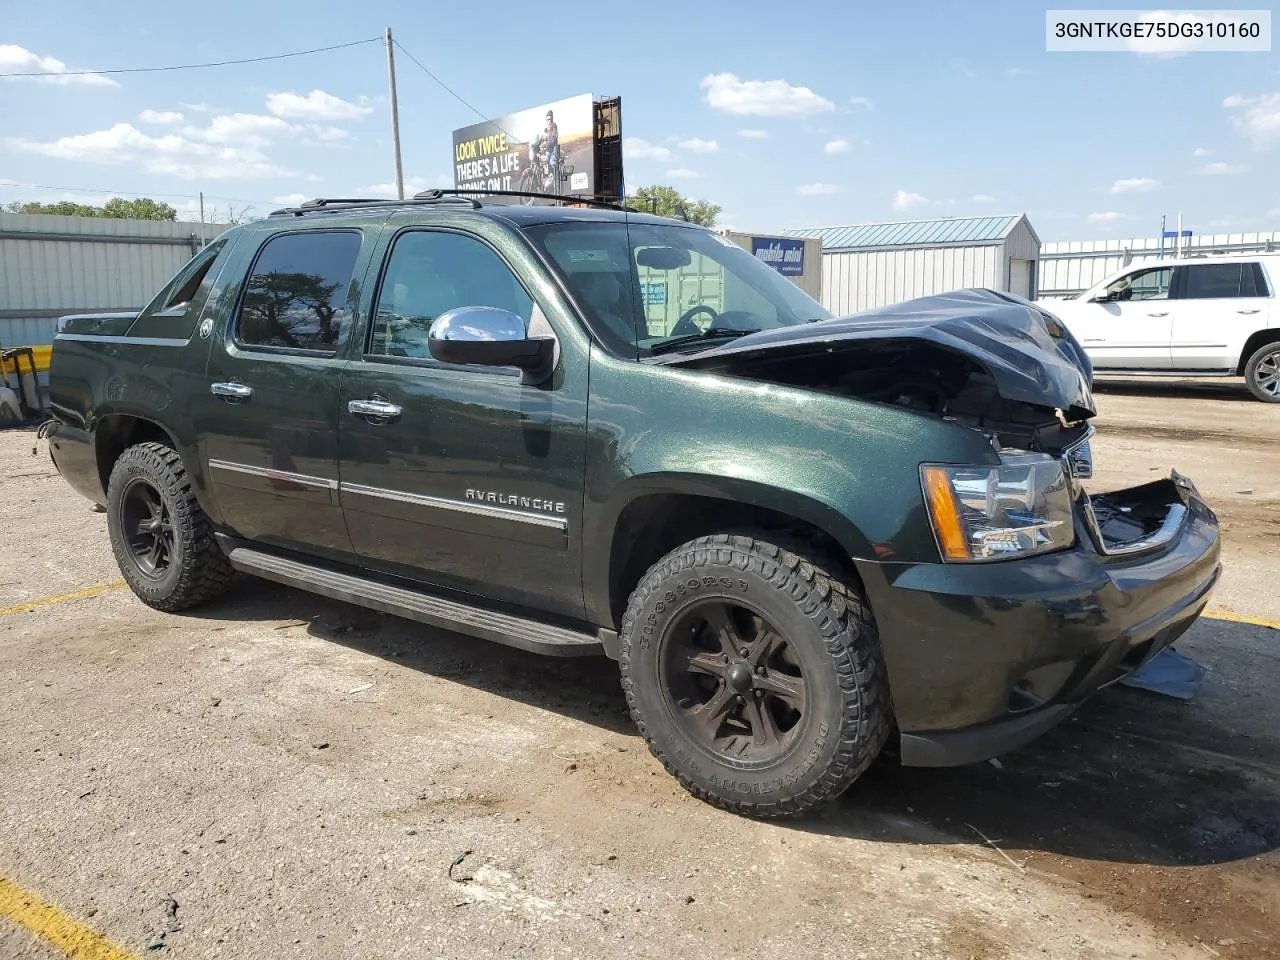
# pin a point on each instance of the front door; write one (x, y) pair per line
(1132, 329)
(466, 477)
(268, 411)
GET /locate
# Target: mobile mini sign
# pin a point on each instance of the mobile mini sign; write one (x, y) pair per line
(784, 255)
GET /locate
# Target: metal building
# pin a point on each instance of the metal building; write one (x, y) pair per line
(51, 266)
(799, 259)
(873, 264)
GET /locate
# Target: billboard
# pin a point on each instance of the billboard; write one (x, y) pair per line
(784, 255)
(546, 149)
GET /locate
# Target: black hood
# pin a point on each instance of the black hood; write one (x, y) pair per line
(1029, 354)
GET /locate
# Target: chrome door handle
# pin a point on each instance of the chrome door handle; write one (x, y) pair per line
(231, 392)
(1163, 313)
(374, 410)
(1248, 311)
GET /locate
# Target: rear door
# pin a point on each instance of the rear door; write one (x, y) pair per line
(267, 411)
(465, 477)
(1216, 308)
(1132, 329)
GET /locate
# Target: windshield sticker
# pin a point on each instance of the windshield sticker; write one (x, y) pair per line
(587, 256)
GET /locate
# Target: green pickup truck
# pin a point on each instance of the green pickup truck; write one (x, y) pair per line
(803, 539)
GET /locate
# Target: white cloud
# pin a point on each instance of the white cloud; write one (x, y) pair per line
(838, 145)
(1220, 169)
(412, 185)
(1016, 71)
(1105, 216)
(291, 199)
(906, 200)
(982, 198)
(193, 153)
(1202, 152)
(698, 145)
(165, 117)
(1275, 212)
(754, 134)
(817, 189)
(762, 98)
(1135, 185)
(633, 148)
(247, 129)
(199, 107)
(683, 173)
(861, 102)
(1260, 120)
(328, 134)
(15, 59)
(316, 105)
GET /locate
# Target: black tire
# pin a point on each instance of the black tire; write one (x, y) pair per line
(827, 639)
(1262, 373)
(192, 568)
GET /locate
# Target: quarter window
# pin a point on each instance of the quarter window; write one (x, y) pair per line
(1219, 281)
(296, 294)
(431, 272)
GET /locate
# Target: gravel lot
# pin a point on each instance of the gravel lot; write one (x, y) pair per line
(280, 776)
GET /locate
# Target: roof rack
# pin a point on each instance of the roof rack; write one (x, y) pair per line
(468, 197)
(438, 194)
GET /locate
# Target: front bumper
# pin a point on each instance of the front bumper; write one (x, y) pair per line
(983, 658)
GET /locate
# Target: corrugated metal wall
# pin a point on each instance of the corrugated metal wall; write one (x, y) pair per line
(51, 266)
(1072, 267)
(854, 280)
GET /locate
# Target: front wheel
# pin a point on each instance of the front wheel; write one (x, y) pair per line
(754, 674)
(162, 540)
(1262, 373)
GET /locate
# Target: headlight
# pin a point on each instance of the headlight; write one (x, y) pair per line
(1019, 508)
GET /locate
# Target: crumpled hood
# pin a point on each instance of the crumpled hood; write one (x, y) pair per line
(1029, 353)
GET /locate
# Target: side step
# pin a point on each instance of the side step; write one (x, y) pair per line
(415, 605)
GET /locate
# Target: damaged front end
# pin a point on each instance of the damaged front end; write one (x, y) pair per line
(993, 363)
(979, 358)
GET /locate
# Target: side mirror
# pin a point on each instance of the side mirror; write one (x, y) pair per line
(1104, 297)
(488, 336)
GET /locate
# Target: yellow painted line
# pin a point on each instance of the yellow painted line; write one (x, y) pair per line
(1237, 618)
(54, 927)
(62, 598)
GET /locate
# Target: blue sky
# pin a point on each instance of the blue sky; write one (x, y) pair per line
(786, 115)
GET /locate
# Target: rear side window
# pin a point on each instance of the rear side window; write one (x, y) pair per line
(1217, 281)
(296, 294)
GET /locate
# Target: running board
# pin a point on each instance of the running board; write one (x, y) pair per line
(504, 628)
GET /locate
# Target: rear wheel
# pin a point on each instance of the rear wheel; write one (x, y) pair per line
(1262, 373)
(754, 674)
(162, 540)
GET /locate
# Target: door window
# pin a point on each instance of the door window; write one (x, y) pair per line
(296, 294)
(1150, 284)
(429, 273)
(1218, 281)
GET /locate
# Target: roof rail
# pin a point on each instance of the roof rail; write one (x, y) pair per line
(332, 203)
(436, 196)
(607, 202)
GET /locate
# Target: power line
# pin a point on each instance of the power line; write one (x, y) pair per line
(196, 66)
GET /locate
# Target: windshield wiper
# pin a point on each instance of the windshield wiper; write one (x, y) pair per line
(711, 333)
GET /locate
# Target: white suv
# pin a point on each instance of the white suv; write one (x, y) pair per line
(1196, 316)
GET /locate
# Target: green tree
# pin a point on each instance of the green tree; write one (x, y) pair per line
(667, 202)
(117, 208)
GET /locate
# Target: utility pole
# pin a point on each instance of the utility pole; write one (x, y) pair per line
(395, 115)
(203, 241)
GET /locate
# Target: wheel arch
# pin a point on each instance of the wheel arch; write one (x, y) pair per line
(114, 433)
(1251, 346)
(660, 513)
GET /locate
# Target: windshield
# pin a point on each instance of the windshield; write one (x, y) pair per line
(652, 288)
